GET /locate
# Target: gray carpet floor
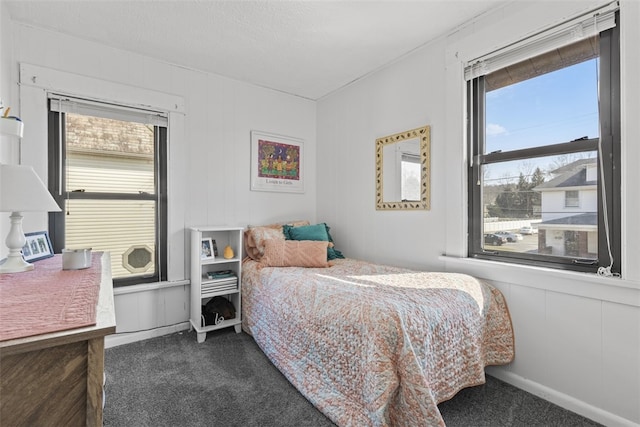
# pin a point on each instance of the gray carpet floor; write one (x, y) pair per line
(227, 381)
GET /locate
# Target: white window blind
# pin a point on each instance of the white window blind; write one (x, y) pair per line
(584, 26)
(65, 104)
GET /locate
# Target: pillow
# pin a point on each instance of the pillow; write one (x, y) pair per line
(254, 237)
(318, 232)
(296, 223)
(294, 253)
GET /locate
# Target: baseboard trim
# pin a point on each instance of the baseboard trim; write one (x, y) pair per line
(130, 337)
(563, 400)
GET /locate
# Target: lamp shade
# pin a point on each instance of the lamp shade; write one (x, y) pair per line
(21, 190)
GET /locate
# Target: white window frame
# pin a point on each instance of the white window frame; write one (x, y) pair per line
(35, 84)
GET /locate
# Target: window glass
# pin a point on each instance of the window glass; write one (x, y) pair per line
(527, 198)
(572, 199)
(556, 107)
(531, 194)
(115, 226)
(109, 156)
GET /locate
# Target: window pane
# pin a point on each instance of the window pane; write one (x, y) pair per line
(117, 226)
(572, 199)
(528, 197)
(556, 107)
(111, 156)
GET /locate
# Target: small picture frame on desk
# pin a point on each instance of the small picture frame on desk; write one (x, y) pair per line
(206, 249)
(215, 247)
(37, 247)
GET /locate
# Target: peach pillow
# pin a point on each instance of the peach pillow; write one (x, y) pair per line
(254, 237)
(294, 253)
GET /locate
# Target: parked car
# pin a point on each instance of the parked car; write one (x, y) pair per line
(510, 236)
(527, 229)
(494, 239)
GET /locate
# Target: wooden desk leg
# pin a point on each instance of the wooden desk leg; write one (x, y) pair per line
(95, 378)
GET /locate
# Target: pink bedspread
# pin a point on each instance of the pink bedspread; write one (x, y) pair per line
(373, 345)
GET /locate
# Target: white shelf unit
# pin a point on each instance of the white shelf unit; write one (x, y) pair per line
(223, 236)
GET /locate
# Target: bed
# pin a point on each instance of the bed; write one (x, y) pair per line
(370, 344)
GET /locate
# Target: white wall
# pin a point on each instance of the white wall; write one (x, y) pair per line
(553, 203)
(209, 169)
(402, 97)
(8, 94)
(8, 91)
(577, 335)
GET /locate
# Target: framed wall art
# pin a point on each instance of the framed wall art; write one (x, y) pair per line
(277, 163)
(37, 247)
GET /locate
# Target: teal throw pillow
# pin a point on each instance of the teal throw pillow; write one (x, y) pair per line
(317, 232)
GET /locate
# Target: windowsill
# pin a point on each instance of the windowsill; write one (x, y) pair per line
(586, 285)
(144, 287)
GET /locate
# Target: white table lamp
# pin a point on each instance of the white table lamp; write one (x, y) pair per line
(21, 190)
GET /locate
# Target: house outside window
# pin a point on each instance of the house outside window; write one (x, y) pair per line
(544, 138)
(567, 227)
(108, 173)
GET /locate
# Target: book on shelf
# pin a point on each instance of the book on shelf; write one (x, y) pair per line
(224, 274)
(230, 283)
(215, 282)
(229, 280)
(219, 288)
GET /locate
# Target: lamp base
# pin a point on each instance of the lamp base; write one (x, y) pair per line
(15, 241)
(15, 265)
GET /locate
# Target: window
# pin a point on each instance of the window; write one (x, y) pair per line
(544, 136)
(571, 199)
(108, 172)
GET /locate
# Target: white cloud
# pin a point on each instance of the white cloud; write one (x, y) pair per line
(494, 130)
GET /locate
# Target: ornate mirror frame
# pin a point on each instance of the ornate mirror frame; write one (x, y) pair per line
(424, 136)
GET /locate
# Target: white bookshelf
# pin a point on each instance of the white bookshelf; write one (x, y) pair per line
(204, 288)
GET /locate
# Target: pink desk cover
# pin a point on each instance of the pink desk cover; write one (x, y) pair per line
(49, 299)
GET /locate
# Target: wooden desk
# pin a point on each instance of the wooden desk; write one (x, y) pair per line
(56, 378)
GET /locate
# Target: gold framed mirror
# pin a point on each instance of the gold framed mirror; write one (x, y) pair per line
(403, 169)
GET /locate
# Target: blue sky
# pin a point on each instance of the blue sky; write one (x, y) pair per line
(555, 107)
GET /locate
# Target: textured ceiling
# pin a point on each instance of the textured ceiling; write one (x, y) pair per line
(305, 48)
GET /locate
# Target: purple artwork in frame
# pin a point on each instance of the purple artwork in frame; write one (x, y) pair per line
(276, 163)
(278, 160)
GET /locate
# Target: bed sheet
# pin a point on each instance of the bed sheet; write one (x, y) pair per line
(375, 345)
